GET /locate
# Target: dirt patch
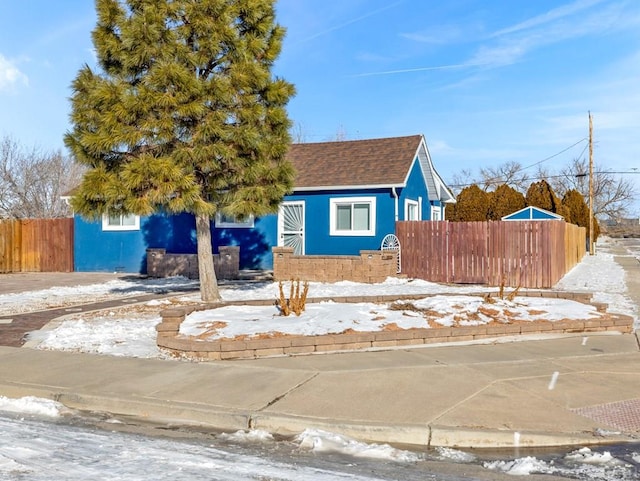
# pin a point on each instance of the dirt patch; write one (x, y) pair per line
(392, 326)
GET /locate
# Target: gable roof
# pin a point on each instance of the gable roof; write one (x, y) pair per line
(377, 163)
(533, 213)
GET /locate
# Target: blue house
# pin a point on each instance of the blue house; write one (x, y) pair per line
(533, 213)
(347, 196)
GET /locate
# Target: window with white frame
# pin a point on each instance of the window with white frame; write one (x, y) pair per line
(411, 210)
(230, 221)
(120, 222)
(436, 212)
(353, 216)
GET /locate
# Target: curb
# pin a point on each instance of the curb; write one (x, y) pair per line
(155, 411)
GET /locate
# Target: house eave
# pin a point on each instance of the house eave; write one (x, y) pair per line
(347, 187)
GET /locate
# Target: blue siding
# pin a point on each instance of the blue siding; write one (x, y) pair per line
(532, 213)
(414, 190)
(125, 251)
(255, 243)
(112, 251)
(318, 239)
(522, 215)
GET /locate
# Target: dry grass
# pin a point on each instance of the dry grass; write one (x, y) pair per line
(297, 300)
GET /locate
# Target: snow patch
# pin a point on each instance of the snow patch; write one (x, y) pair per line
(521, 466)
(247, 437)
(319, 441)
(32, 405)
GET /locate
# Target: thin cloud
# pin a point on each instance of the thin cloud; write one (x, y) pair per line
(501, 55)
(552, 27)
(513, 43)
(410, 70)
(352, 21)
(10, 75)
(550, 16)
(437, 35)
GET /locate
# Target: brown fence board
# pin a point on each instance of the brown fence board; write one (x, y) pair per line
(426, 252)
(36, 245)
(531, 254)
(469, 256)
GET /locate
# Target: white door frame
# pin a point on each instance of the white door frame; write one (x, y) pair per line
(297, 230)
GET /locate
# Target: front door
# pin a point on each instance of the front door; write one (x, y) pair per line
(291, 226)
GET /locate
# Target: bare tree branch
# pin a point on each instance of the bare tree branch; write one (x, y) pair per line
(32, 182)
(612, 195)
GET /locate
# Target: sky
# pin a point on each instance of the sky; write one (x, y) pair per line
(485, 81)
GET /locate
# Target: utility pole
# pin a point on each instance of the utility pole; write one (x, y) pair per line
(591, 243)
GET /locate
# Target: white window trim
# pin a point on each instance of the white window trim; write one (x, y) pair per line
(436, 211)
(249, 222)
(108, 227)
(407, 204)
(333, 210)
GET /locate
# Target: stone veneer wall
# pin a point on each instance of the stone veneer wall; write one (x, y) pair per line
(161, 264)
(169, 340)
(369, 267)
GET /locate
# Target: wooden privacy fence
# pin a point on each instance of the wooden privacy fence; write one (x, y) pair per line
(36, 245)
(531, 254)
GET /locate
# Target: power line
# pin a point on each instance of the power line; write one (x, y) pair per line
(497, 179)
(527, 179)
(556, 154)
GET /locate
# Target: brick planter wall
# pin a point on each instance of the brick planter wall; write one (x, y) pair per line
(369, 267)
(169, 340)
(161, 264)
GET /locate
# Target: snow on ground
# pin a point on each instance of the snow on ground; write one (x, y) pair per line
(64, 296)
(36, 450)
(604, 277)
(42, 451)
(130, 331)
(334, 318)
(33, 406)
(581, 464)
(319, 441)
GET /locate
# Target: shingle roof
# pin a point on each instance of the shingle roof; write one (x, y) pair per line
(374, 162)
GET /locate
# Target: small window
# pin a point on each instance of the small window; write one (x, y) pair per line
(411, 210)
(436, 213)
(224, 220)
(353, 216)
(121, 222)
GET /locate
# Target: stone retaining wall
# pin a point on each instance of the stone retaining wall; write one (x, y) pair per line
(161, 264)
(369, 267)
(169, 340)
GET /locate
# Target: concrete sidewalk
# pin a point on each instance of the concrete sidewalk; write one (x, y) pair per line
(15, 327)
(32, 281)
(574, 390)
(568, 391)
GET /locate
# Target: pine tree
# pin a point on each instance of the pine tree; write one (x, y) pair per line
(472, 204)
(503, 201)
(579, 211)
(541, 194)
(183, 115)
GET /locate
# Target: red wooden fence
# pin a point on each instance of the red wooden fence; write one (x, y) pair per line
(532, 254)
(36, 245)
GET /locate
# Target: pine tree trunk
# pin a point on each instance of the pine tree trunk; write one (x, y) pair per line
(209, 291)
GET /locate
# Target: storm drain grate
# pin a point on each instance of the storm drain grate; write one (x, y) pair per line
(624, 415)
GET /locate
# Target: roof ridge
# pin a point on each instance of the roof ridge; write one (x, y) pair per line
(358, 140)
